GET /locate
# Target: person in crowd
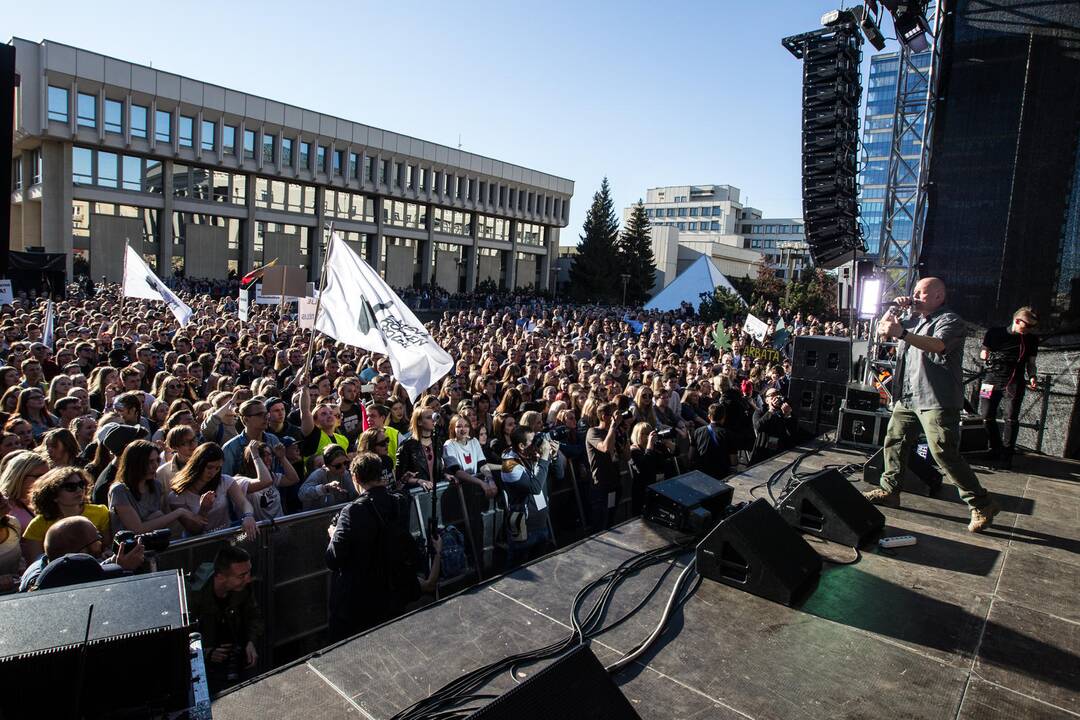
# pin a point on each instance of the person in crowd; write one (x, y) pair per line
(253, 418)
(650, 458)
(1009, 353)
(318, 426)
(62, 492)
(775, 426)
(710, 447)
(260, 483)
(276, 424)
(60, 447)
(372, 556)
(113, 438)
(12, 562)
(136, 500)
(377, 416)
(19, 472)
(329, 483)
(211, 497)
(606, 448)
(524, 478)
(31, 407)
(929, 397)
(75, 552)
(420, 458)
(223, 606)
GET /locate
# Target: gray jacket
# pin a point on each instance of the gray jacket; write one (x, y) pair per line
(932, 381)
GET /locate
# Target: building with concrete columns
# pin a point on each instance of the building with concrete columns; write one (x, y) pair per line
(209, 180)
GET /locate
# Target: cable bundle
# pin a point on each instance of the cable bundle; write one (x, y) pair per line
(447, 703)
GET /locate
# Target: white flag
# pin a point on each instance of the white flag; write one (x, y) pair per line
(50, 324)
(141, 282)
(755, 328)
(358, 308)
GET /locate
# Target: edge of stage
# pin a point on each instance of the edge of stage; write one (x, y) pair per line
(957, 626)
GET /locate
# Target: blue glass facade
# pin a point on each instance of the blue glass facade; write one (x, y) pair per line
(877, 141)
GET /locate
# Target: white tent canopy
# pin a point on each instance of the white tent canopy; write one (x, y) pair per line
(701, 277)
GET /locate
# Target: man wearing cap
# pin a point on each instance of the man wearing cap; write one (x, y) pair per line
(115, 437)
(73, 552)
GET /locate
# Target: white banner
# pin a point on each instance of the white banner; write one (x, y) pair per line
(243, 305)
(6, 296)
(305, 314)
(358, 308)
(755, 328)
(50, 324)
(141, 282)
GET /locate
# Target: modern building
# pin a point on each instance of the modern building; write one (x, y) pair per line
(693, 220)
(207, 180)
(877, 143)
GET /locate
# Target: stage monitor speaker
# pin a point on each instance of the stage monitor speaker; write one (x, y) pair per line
(753, 549)
(826, 359)
(692, 502)
(575, 687)
(922, 476)
(827, 505)
(139, 638)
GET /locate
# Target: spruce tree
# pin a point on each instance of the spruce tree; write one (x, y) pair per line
(594, 274)
(635, 250)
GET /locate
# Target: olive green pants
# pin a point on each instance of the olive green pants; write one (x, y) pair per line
(942, 430)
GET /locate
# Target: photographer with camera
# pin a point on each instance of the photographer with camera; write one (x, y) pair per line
(651, 452)
(775, 426)
(606, 447)
(73, 554)
(524, 477)
(228, 617)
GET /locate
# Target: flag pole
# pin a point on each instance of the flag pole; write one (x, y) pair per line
(318, 300)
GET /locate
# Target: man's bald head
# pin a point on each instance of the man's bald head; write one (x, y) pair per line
(71, 534)
(929, 295)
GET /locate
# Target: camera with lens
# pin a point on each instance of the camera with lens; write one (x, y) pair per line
(667, 433)
(539, 439)
(626, 415)
(156, 541)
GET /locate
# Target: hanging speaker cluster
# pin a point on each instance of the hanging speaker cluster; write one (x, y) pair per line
(830, 136)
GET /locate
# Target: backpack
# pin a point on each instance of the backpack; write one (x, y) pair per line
(452, 560)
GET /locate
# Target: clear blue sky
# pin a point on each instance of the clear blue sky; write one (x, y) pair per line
(645, 93)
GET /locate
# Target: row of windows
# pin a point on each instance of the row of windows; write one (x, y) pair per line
(714, 211)
(36, 165)
(138, 174)
(274, 148)
(693, 226)
(771, 229)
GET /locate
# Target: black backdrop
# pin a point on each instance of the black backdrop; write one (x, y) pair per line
(1003, 219)
(44, 272)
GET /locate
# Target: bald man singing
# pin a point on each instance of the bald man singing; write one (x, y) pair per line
(928, 396)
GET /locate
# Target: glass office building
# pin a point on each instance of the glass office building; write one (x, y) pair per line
(876, 144)
(206, 180)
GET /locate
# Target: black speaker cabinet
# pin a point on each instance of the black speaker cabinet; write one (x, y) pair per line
(922, 476)
(816, 405)
(753, 549)
(575, 686)
(862, 429)
(827, 505)
(826, 359)
(139, 631)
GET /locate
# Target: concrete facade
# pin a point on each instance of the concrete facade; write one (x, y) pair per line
(98, 140)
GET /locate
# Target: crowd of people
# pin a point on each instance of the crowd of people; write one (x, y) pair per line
(127, 423)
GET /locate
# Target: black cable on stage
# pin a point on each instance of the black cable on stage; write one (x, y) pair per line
(446, 702)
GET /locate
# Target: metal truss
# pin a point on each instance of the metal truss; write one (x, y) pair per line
(904, 212)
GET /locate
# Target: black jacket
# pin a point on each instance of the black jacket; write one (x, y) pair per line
(410, 458)
(374, 563)
(710, 451)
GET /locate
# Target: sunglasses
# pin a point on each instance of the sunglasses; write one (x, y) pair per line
(73, 485)
(98, 539)
(384, 441)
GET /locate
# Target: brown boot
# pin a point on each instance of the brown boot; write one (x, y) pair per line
(981, 519)
(880, 496)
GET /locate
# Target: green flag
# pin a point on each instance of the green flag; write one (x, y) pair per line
(720, 338)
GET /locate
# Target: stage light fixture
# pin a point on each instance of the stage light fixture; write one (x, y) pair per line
(870, 30)
(909, 20)
(869, 297)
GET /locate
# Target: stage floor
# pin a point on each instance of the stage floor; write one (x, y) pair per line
(957, 626)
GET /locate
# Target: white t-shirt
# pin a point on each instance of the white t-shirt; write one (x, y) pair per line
(265, 503)
(218, 517)
(468, 457)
